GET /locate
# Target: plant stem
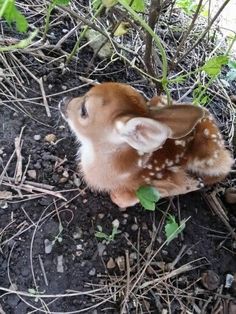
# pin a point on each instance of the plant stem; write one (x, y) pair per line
(205, 32)
(82, 34)
(49, 11)
(136, 17)
(154, 13)
(231, 45)
(196, 14)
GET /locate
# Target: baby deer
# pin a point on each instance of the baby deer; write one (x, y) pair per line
(127, 142)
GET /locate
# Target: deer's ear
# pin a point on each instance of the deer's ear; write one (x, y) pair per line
(144, 134)
(181, 119)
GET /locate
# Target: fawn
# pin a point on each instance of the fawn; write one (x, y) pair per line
(127, 142)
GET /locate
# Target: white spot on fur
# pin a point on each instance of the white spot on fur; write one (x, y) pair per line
(140, 163)
(180, 142)
(159, 175)
(206, 132)
(157, 168)
(149, 166)
(213, 136)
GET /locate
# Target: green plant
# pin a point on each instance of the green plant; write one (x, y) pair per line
(108, 237)
(173, 229)
(58, 237)
(21, 44)
(11, 14)
(136, 5)
(190, 6)
(51, 6)
(231, 75)
(148, 196)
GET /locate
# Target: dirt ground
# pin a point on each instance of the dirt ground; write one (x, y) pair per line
(47, 242)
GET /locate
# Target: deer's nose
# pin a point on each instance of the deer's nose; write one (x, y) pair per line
(63, 104)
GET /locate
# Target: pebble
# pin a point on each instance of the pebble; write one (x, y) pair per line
(48, 246)
(92, 272)
(50, 138)
(32, 174)
(134, 227)
(101, 248)
(111, 263)
(64, 30)
(101, 216)
(37, 137)
(120, 261)
(77, 182)
(229, 280)
(210, 280)
(60, 267)
(78, 234)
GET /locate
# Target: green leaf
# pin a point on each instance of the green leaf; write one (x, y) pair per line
(173, 229)
(96, 4)
(101, 235)
(213, 66)
(122, 29)
(231, 75)
(109, 3)
(148, 196)
(61, 2)
(232, 64)
(13, 15)
(137, 5)
(32, 291)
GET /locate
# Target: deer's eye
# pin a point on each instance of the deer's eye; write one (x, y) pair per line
(83, 111)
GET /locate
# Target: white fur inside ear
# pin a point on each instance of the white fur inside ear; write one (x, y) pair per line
(144, 134)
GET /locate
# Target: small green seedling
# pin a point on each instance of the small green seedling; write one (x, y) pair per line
(58, 237)
(173, 229)
(214, 65)
(108, 237)
(148, 196)
(35, 292)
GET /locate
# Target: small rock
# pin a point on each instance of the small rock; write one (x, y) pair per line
(50, 86)
(48, 246)
(50, 138)
(64, 30)
(32, 174)
(134, 227)
(111, 263)
(65, 174)
(60, 267)
(120, 261)
(115, 223)
(101, 248)
(3, 204)
(210, 280)
(37, 137)
(230, 195)
(64, 87)
(101, 216)
(5, 195)
(229, 280)
(78, 234)
(77, 181)
(79, 247)
(92, 272)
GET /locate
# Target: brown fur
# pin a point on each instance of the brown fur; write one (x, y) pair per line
(119, 119)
